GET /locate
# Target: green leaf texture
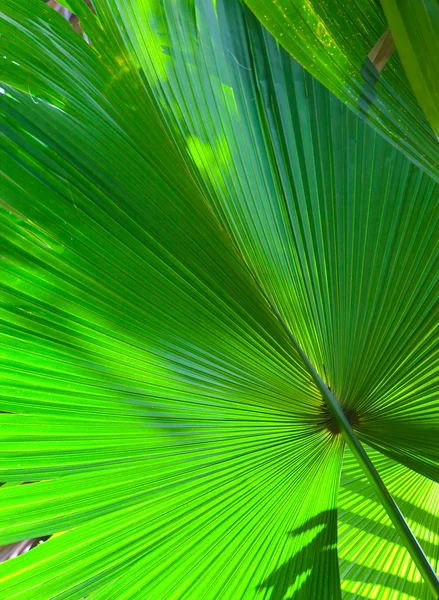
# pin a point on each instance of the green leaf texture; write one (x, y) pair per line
(373, 564)
(172, 433)
(163, 187)
(334, 223)
(415, 29)
(335, 40)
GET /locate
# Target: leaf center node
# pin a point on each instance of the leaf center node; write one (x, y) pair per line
(331, 424)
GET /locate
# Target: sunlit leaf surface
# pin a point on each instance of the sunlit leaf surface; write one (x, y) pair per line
(337, 41)
(415, 29)
(373, 563)
(165, 188)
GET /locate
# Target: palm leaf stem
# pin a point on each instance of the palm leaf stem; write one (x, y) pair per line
(395, 515)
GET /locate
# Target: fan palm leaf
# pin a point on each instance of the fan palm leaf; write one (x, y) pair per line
(201, 247)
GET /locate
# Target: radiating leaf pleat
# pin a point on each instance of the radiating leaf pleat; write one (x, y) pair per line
(336, 41)
(171, 432)
(373, 562)
(335, 224)
(244, 523)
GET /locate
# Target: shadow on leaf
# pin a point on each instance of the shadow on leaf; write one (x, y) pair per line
(316, 543)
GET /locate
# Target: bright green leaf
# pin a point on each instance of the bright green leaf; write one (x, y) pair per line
(373, 563)
(336, 225)
(141, 354)
(161, 186)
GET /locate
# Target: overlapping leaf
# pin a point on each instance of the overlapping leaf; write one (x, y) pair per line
(340, 42)
(415, 29)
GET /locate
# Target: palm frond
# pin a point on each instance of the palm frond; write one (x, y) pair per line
(336, 226)
(170, 190)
